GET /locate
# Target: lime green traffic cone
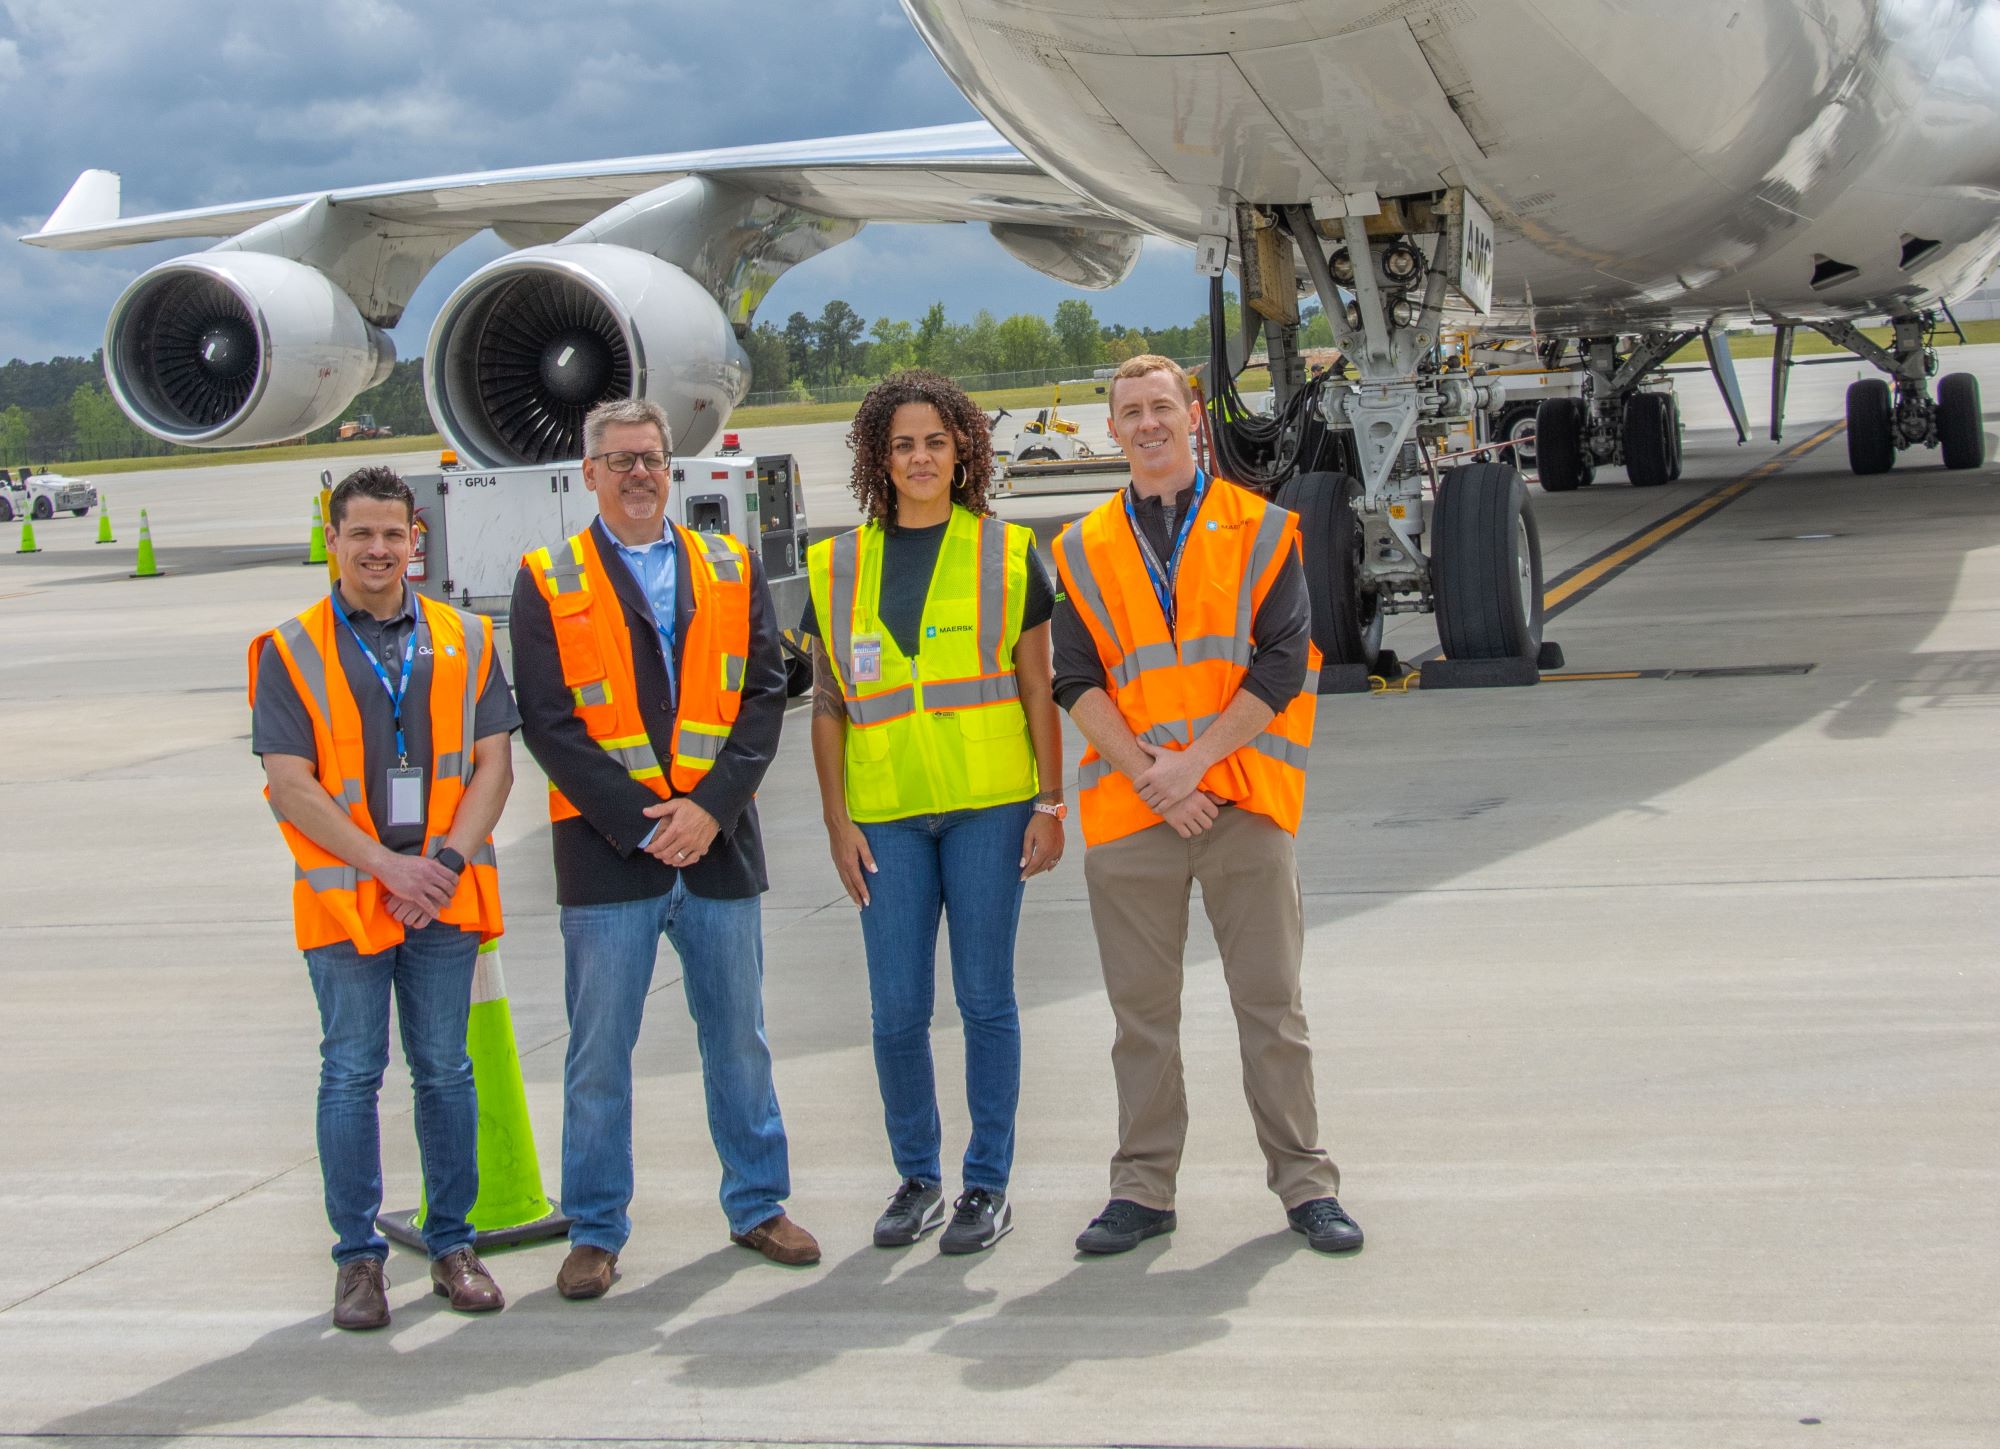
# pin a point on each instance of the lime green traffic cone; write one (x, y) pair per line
(316, 545)
(148, 567)
(28, 544)
(512, 1206)
(104, 521)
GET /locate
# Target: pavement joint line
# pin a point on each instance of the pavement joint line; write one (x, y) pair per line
(1613, 885)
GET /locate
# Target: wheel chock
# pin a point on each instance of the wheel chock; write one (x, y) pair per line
(1551, 656)
(1480, 673)
(1344, 679)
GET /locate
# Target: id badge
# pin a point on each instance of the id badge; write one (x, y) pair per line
(865, 664)
(406, 796)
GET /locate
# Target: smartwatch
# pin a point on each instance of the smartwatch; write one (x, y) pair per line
(450, 859)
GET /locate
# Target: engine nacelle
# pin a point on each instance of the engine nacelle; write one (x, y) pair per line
(233, 349)
(529, 344)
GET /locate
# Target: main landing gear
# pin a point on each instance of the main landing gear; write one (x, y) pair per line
(1615, 422)
(1886, 416)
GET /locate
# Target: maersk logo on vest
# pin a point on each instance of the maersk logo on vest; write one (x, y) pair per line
(931, 631)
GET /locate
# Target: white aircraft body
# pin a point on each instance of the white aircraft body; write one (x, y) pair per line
(1613, 178)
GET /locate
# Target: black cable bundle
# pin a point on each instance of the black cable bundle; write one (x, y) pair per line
(1254, 452)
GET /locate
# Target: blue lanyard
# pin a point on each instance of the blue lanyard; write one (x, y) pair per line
(395, 691)
(1163, 579)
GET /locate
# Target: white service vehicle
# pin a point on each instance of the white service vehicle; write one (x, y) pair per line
(473, 525)
(43, 495)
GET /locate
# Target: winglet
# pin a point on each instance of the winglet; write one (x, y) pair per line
(92, 201)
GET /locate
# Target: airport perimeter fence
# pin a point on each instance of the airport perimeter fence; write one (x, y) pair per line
(853, 392)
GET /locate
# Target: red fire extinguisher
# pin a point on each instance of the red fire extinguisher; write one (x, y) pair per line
(419, 567)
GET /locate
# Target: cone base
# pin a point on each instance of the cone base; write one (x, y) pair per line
(155, 574)
(401, 1228)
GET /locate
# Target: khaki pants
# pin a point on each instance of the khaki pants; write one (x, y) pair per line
(1139, 891)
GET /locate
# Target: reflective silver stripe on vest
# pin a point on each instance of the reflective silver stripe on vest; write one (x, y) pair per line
(484, 855)
(971, 693)
(1168, 734)
(566, 578)
(598, 693)
(451, 762)
(474, 630)
(1284, 751)
(733, 666)
(698, 746)
(634, 757)
(1145, 657)
(306, 656)
(1070, 542)
(881, 708)
(721, 557)
(1091, 772)
(1269, 532)
(330, 877)
(992, 592)
(839, 630)
(1234, 650)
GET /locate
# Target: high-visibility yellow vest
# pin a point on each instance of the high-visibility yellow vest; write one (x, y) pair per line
(943, 730)
(332, 901)
(1171, 685)
(596, 650)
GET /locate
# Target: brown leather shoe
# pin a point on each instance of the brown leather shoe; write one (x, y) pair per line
(587, 1272)
(461, 1277)
(361, 1295)
(781, 1240)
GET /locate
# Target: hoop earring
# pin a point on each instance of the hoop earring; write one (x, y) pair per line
(958, 477)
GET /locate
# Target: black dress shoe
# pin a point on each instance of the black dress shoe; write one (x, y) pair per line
(361, 1295)
(1122, 1226)
(1327, 1226)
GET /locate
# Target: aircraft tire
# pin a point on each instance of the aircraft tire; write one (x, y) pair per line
(1961, 431)
(1486, 565)
(1559, 455)
(1346, 621)
(1871, 427)
(1649, 445)
(1674, 438)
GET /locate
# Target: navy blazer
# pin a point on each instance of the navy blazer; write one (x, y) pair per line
(597, 855)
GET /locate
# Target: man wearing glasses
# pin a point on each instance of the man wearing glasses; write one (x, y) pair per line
(652, 692)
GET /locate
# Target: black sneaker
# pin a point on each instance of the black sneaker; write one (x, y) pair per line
(1327, 1226)
(1122, 1226)
(914, 1209)
(979, 1220)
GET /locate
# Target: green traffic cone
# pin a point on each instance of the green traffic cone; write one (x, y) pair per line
(104, 521)
(28, 544)
(148, 567)
(512, 1206)
(316, 547)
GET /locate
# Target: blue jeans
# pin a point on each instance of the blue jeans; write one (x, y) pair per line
(430, 975)
(608, 956)
(965, 864)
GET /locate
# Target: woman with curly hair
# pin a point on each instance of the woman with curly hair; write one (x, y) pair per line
(940, 769)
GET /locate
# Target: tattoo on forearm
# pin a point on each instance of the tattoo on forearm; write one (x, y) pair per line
(1050, 797)
(826, 689)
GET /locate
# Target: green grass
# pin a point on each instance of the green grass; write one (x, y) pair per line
(296, 452)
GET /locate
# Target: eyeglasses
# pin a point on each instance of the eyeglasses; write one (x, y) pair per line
(626, 462)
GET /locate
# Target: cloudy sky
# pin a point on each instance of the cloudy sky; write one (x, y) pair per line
(203, 103)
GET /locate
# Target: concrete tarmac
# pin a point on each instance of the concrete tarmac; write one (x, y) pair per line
(1658, 1040)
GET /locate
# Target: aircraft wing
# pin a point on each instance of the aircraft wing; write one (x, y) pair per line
(965, 172)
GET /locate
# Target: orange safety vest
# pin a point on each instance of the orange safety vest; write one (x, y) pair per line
(1171, 685)
(333, 901)
(596, 649)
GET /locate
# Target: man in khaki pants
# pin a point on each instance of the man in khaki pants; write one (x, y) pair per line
(1183, 652)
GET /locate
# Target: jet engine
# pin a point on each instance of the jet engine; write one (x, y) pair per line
(529, 344)
(238, 348)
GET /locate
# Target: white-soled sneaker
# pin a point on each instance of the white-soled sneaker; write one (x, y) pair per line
(979, 1220)
(914, 1209)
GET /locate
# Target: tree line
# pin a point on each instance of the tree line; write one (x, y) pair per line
(59, 410)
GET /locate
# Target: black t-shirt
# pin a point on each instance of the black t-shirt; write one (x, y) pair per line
(279, 724)
(909, 558)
